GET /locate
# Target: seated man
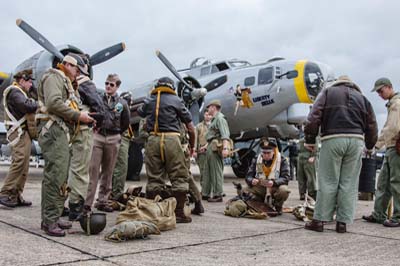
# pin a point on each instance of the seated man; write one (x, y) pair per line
(268, 176)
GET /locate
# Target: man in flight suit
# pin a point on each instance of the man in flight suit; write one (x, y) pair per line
(164, 111)
(59, 114)
(16, 106)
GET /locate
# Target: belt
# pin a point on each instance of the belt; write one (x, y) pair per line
(107, 132)
(165, 133)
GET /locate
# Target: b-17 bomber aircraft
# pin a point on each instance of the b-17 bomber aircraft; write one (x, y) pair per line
(280, 91)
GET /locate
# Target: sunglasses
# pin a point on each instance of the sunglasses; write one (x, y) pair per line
(110, 83)
(267, 152)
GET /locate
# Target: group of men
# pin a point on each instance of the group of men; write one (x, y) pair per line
(83, 135)
(79, 132)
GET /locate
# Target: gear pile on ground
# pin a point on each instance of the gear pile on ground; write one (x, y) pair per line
(305, 211)
(128, 230)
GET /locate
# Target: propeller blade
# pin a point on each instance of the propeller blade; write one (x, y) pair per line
(172, 68)
(39, 38)
(195, 111)
(107, 53)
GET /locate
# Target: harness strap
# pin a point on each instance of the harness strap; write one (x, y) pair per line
(15, 125)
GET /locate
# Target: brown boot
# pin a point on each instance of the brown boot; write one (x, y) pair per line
(341, 227)
(180, 203)
(64, 224)
(8, 201)
(198, 208)
(52, 229)
(315, 225)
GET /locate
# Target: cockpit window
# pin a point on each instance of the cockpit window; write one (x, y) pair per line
(313, 78)
(249, 81)
(219, 67)
(265, 76)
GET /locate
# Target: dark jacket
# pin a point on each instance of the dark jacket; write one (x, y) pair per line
(284, 172)
(117, 115)
(171, 112)
(342, 110)
(89, 96)
(19, 105)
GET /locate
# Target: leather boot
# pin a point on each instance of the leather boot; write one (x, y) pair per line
(23, 203)
(341, 227)
(64, 224)
(75, 210)
(52, 229)
(198, 208)
(8, 201)
(180, 203)
(315, 225)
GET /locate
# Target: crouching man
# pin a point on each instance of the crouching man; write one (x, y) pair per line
(268, 176)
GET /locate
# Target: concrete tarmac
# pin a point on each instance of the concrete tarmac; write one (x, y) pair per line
(211, 239)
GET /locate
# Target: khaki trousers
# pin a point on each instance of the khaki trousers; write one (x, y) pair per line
(213, 179)
(17, 174)
(54, 145)
(279, 194)
(338, 173)
(388, 186)
(104, 155)
(173, 166)
(121, 169)
(201, 162)
(81, 152)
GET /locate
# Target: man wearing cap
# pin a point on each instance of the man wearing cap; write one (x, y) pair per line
(389, 176)
(345, 119)
(268, 176)
(16, 105)
(106, 143)
(82, 142)
(218, 139)
(164, 111)
(59, 114)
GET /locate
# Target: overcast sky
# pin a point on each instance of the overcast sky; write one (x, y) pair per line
(357, 38)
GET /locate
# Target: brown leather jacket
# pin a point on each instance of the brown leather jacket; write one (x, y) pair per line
(342, 110)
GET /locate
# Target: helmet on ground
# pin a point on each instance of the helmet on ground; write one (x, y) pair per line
(93, 223)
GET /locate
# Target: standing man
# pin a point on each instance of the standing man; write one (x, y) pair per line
(121, 166)
(268, 176)
(201, 143)
(389, 177)
(106, 142)
(59, 115)
(81, 144)
(164, 111)
(16, 105)
(306, 170)
(217, 149)
(345, 119)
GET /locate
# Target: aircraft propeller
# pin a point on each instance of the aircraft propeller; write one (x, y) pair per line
(190, 94)
(95, 59)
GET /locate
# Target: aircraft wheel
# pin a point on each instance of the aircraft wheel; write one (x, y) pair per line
(135, 161)
(240, 168)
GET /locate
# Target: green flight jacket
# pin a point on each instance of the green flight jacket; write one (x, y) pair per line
(54, 92)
